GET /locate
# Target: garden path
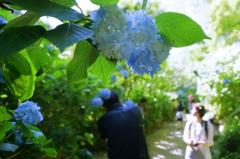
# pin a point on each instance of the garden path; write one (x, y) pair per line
(164, 143)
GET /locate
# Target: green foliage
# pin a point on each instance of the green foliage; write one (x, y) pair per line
(15, 39)
(67, 34)
(224, 21)
(27, 19)
(178, 30)
(64, 87)
(227, 144)
(104, 2)
(68, 3)
(84, 56)
(4, 115)
(103, 68)
(49, 151)
(48, 8)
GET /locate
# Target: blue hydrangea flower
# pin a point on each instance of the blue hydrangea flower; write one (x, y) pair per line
(133, 36)
(122, 88)
(97, 101)
(125, 73)
(36, 134)
(226, 81)
(150, 51)
(18, 136)
(29, 113)
(129, 103)
(105, 93)
(113, 78)
(109, 32)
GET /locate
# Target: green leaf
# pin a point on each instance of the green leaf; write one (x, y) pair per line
(144, 4)
(84, 56)
(4, 115)
(178, 30)
(8, 147)
(68, 3)
(7, 125)
(47, 142)
(39, 57)
(13, 40)
(2, 132)
(49, 152)
(27, 19)
(26, 131)
(17, 74)
(67, 34)
(103, 68)
(104, 2)
(31, 127)
(48, 8)
(41, 140)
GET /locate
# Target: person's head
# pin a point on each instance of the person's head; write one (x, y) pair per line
(114, 98)
(143, 100)
(198, 110)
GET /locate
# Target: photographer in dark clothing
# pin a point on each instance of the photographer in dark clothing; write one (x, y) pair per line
(122, 128)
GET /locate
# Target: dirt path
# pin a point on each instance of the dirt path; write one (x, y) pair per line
(164, 143)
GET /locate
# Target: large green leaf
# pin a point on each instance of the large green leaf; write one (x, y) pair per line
(144, 4)
(103, 68)
(67, 34)
(17, 74)
(84, 56)
(178, 30)
(13, 40)
(8, 147)
(48, 8)
(27, 19)
(67, 3)
(104, 2)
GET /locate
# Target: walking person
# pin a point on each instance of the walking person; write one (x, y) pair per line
(122, 128)
(198, 135)
(180, 116)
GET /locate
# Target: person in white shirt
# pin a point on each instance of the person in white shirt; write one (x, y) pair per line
(198, 135)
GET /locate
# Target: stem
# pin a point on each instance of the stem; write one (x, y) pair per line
(8, 136)
(15, 155)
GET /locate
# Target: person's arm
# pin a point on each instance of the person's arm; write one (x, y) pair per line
(101, 129)
(186, 134)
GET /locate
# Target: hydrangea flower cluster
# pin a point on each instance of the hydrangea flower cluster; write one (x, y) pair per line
(129, 103)
(97, 101)
(226, 81)
(125, 73)
(29, 113)
(113, 78)
(132, 36)
(104, 94)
